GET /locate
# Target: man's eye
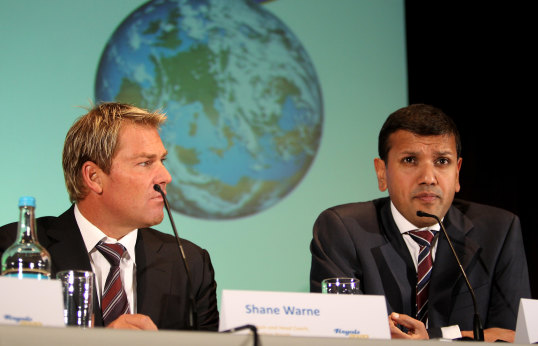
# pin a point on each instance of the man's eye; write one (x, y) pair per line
(443, 161)
(145, 163)
(408, 160)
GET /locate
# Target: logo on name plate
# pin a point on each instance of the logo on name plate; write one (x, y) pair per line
(354, 333)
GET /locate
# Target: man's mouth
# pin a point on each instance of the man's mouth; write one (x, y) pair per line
(157, 197)
(426, 197)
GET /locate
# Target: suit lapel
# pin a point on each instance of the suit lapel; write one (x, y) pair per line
(394, 274)
(153, 271)
(446, 279)
(66, 245)
(395, 266)
(68, 251)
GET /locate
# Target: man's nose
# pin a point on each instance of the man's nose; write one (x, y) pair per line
(427, 174)
(164, 176)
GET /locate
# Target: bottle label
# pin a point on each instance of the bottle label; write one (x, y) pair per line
(38, 276)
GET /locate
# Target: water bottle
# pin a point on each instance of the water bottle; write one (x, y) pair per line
(26, 258)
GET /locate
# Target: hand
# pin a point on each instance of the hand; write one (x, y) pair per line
(133, 321)
(493, 334)
(416, 329)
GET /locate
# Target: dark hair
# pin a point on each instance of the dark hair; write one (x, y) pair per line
(420, 119)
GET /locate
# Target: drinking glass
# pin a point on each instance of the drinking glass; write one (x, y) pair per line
(78, 286)
(340, 286)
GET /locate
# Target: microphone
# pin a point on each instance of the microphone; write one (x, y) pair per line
(478, 331)
(193, 313)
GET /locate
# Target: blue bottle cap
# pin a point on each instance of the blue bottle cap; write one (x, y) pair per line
(27, 201)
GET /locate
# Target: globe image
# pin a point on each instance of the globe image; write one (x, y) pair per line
(241, 94)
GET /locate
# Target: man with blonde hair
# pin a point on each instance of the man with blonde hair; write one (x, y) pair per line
(112, 158)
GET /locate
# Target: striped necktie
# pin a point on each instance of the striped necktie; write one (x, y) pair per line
(424, 270)
(114, 299)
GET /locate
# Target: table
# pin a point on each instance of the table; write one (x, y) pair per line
(71, 336)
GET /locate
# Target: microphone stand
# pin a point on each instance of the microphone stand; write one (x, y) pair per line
(252, 328)
(478, 331)
(193, 314)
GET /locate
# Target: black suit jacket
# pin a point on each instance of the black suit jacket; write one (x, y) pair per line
(362, 240)
(161, 284)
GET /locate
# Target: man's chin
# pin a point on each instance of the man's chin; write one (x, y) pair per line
(424, 221)
(153, 221)
(158, 220)
(431, 207)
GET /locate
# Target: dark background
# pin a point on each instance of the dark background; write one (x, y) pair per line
(474, 61)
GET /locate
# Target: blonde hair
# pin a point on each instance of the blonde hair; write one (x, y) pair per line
(94, 137)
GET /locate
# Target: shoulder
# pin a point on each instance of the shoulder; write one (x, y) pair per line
(484, 223)
(358, 209)
(168, 242)
(484, 215)
(357, 219)
(7, 235)
(8, 232)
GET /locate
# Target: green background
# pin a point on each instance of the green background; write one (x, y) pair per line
(48, 60)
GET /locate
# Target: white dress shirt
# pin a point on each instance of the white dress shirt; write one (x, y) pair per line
(100, 265)
(404, 226)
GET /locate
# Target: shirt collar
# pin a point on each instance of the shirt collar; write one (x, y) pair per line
(404, 225)
(93, 235)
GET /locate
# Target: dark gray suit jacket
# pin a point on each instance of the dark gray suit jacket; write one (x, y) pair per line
(362, 240)
(161, 284)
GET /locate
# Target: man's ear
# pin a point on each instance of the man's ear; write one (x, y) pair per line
(92, 176)
(458, 167)
(381, 172)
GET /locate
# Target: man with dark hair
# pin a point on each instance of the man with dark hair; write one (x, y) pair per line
(113, 157)
(404, 257)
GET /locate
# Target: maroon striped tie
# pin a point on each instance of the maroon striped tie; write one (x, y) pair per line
(114, 299)
(424, 270)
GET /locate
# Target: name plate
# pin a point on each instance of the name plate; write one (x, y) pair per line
(31, 302)
(527, 320)
(306, 314)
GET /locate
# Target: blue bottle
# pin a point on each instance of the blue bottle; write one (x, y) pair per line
(26, 258)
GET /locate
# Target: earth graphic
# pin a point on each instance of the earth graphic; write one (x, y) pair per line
(242, 98)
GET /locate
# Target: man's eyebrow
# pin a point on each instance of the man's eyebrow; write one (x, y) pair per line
(149, 155)
(445, 153)
(408, 152)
